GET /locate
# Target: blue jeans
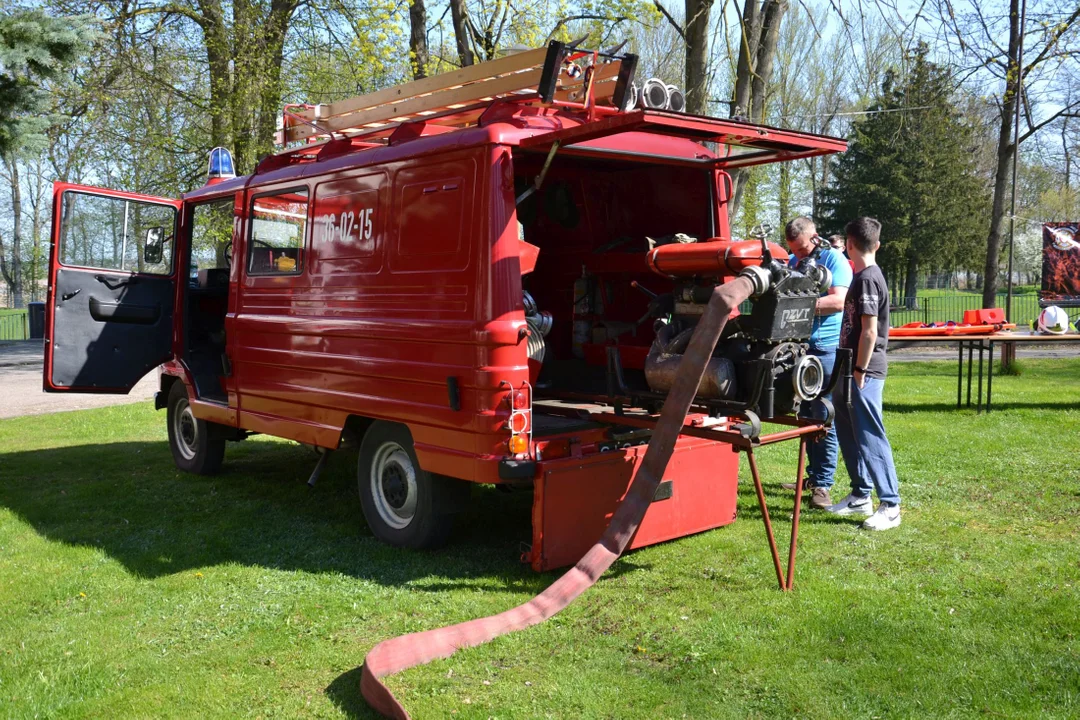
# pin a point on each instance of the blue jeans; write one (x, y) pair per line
(821, 454)
(867, 452)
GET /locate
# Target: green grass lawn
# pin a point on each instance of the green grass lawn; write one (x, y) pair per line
(128, 589)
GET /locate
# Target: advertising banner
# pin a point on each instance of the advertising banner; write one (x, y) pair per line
(1061, 265)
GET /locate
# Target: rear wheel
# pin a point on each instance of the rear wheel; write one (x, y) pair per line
(404, 505)
(197, 446)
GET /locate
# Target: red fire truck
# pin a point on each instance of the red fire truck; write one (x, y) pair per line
(468, 276)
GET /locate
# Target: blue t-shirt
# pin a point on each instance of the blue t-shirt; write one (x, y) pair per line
(826, 332)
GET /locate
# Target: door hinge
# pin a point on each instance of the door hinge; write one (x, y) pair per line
(226, 365)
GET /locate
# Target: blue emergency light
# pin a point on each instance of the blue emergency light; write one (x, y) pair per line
(221, 165)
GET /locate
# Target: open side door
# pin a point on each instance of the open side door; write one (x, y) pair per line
(112, 288)
(735, 144)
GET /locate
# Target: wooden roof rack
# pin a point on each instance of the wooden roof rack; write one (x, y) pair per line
(560, 74)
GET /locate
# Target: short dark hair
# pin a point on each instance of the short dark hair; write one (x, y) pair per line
(797, 227)
(865, 233)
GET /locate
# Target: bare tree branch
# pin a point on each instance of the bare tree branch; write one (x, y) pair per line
(670, 19)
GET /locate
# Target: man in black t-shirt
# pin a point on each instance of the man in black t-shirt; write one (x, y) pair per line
(859, 425)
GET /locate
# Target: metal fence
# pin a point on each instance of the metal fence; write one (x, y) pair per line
(942, 308)
(926, 310)
(14, 325)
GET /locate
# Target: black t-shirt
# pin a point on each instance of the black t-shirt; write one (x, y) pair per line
(868, 295)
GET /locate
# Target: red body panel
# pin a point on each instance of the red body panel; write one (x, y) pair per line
(576, 497)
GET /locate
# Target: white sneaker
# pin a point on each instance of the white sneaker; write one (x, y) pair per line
(852, 505)
(886, 518)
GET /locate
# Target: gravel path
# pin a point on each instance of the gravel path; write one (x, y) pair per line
(20, 385)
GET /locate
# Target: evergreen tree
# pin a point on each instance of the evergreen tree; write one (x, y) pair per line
(911, 164)
(34, 48)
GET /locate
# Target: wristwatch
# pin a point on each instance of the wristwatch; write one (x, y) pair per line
(862, 370)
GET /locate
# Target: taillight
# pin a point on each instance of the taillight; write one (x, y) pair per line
(520, 421)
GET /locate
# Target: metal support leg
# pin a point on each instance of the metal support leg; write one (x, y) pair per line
(960, 376)
(971, 360)
(795, 515)
(978, 401)
(990, 378)
(785, 583)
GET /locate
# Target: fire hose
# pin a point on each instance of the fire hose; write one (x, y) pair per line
(407, 651)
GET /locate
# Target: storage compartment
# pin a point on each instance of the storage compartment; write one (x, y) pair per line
(574, 499)
(592, 221)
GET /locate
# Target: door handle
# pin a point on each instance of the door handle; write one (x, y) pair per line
(68, 296)
(115, 283)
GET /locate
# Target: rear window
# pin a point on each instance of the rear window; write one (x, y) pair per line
(278, 232)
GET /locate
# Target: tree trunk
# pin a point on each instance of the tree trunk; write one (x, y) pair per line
(697, 55)
(1068, 155)
(911, 282)
(14, 273)
(217, 57)
(273, 54)
(760, 35)
(749, 36)
(1006, 154)
(784, 192)
(418, 48)
(459, 17)
(37, 225)
(770, 36)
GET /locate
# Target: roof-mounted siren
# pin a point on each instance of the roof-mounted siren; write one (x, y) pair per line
(221, 166)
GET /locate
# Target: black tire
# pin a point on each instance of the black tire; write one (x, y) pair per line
(197, 446)
(404, 505)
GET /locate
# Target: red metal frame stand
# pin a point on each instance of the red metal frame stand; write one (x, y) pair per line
(804, 430)
(785, 582)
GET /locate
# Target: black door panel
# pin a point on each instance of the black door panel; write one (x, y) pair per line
(108, 335)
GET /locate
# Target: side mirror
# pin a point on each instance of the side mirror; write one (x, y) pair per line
(154, 249)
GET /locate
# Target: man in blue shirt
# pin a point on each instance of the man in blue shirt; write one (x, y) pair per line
(802, 239)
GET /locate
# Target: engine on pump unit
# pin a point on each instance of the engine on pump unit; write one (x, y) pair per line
(762, 362)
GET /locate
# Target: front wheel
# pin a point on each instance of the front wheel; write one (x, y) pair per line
(197, 446)
(404, 505)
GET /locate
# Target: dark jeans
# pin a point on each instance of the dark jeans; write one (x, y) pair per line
(821, 455)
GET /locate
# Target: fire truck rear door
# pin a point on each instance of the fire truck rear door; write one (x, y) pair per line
(112, 288)
(735, 144)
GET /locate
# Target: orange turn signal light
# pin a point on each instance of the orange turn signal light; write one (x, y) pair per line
(519, 444)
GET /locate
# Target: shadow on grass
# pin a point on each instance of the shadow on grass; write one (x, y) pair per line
(128, 500)
(345, 693)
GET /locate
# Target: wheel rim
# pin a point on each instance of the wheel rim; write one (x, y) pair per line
(185, 430)
(393, 485)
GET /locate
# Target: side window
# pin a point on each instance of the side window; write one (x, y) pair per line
(211, 235)
(113, 233)
(278, 229)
